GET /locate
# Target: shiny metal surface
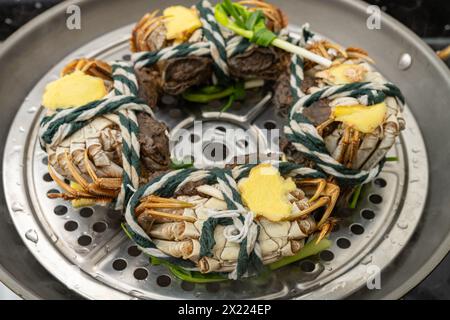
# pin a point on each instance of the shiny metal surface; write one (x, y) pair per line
(92, 241)
(383, 238)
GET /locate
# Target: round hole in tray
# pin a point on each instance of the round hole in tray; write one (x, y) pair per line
(52, 191)
(326, 255)
(86, 212)
(163, 280)
(71, 226)
(307, 266)
(380, 182)
(194, 138)
(119, 264)
(368, 214)
(99, 227)
(140, 274)
(47, 177)
(357, 229)
(343, 243)
(375, 198)
(187, 286)
(84, 240)
(270, 125)
(134, 251)
(60, 210)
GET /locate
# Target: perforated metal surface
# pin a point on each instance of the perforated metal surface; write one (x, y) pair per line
(86, 250)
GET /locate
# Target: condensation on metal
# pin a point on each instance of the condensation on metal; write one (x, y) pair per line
(86, 249)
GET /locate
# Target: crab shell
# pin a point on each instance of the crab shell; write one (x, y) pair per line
(374, 145)
(98, 145)
(180, 239)
(176, 75)
(370, 147)
(102, 140)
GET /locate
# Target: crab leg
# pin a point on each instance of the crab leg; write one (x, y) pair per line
(74, 172)
(156, 205)
(84, 184)
(326, 229)
(107, 183)
(353, 149)
(153, 198)
(323, 125)
(316, 205)
(152, 25)
(170, 216)
(332, 192)
(368, 145)
(338, 48)
(321, 184)
(339, 153)
(390, 133)
(72, 193)
(174, 231)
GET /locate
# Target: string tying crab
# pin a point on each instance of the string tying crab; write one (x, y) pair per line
(97, 146)
(209, 228)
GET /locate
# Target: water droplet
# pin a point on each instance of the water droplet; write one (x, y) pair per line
(16, 149)
(367, 259)
(32, 235)
(21, 129)
(32, 110)
(415, 150)
(405, 61)
(16, 206)
(340, 285)
(402, 225)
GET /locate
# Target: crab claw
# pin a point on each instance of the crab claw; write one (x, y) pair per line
(326, 229)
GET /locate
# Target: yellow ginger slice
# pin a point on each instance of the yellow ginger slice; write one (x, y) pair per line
(180, 22)
(265, 192)
(343, 74)
(363, 118)
(73, 90)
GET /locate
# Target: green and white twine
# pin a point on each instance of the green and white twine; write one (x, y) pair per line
(123, 101)
(235, 218)
(215, 46)
(304, 136)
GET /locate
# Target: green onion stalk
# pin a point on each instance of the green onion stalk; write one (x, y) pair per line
(234, 92)
(311, 248)
(251, 25)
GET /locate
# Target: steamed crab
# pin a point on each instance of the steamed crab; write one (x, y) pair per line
(175, 224)
(178, 25)
(356, 135)
(91, 158)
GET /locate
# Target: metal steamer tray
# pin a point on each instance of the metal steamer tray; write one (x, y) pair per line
(50, 250)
